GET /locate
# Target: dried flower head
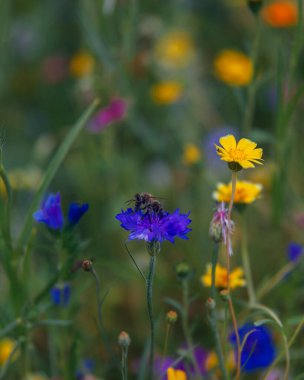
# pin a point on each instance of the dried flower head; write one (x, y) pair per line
(221, 228)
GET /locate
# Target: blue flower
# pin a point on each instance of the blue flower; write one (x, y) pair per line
(154, 226)
(60, 294)
(258, 351)
(76, 212)
(50, 212)
(295, 251)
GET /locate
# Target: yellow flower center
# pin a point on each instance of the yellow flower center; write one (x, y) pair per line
(237, 155)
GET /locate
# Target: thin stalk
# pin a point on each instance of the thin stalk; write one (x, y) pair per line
(150, 311)
(213, 319)
(275, 280)
(166, 339)
(231, 308)
(246, 263)
(124, 365)
(185, 325)
(249, 110)
(7, 208)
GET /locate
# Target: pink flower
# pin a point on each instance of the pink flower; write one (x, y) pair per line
(114, 112)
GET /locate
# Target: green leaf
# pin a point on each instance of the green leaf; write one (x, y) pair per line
(175, 304)
(263, 322)
(52, 170)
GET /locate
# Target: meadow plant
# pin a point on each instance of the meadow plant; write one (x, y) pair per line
(198, 103)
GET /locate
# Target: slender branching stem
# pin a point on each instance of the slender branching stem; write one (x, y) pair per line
(231, 308)
(213, 318)
(166, 339)
(185, 325)
(150, 310)
(246, 263)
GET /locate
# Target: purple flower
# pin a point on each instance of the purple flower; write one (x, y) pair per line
(114, 112)
(163, 363)
(60, 295)
(154, 226)
(258, 351)
(50, 212)
(76, 212)
(295, 251)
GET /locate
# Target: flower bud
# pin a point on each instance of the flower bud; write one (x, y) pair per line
(255, 5)
(183, 270)
(210, 303)
(171, 317)
(224, 294)
(215, 231)
(124, 339)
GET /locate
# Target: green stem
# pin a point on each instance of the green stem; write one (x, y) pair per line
(213, 318)
(7, 209)
(246, 264)
(124, 365)
(150, 310)
(185, 325)
(166, 339)
(248, 115)
(230, 303)
(289, 344)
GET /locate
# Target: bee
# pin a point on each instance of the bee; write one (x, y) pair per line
(146, 202)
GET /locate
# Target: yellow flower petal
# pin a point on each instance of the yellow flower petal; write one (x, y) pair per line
(228, 142)
(245, 144)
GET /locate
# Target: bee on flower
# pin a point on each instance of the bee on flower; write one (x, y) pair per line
(246, 192)
(233, 67)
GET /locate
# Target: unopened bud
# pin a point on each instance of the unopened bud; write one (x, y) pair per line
(183, 270)
(216, 231)
(87, 265)
(255, 5)
(171, 317)
(210, 303)
(224, 293)
(124, 339)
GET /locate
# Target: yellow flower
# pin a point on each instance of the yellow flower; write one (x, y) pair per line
(6, 348)
(191, 155)
(245, 192)
(82, 64)
(212, 361)
(233, 68)
(221, 277)
(175, 50)
(243, 154)
(176, 374)
(166, 92)
(280, 14)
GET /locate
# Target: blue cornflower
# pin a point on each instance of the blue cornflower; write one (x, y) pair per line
(154, 226)
(295, 251)
(60, 294)
(51, 213)
(76, 211)
(259, 351)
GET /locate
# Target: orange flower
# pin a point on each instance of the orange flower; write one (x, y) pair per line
(280, 14)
